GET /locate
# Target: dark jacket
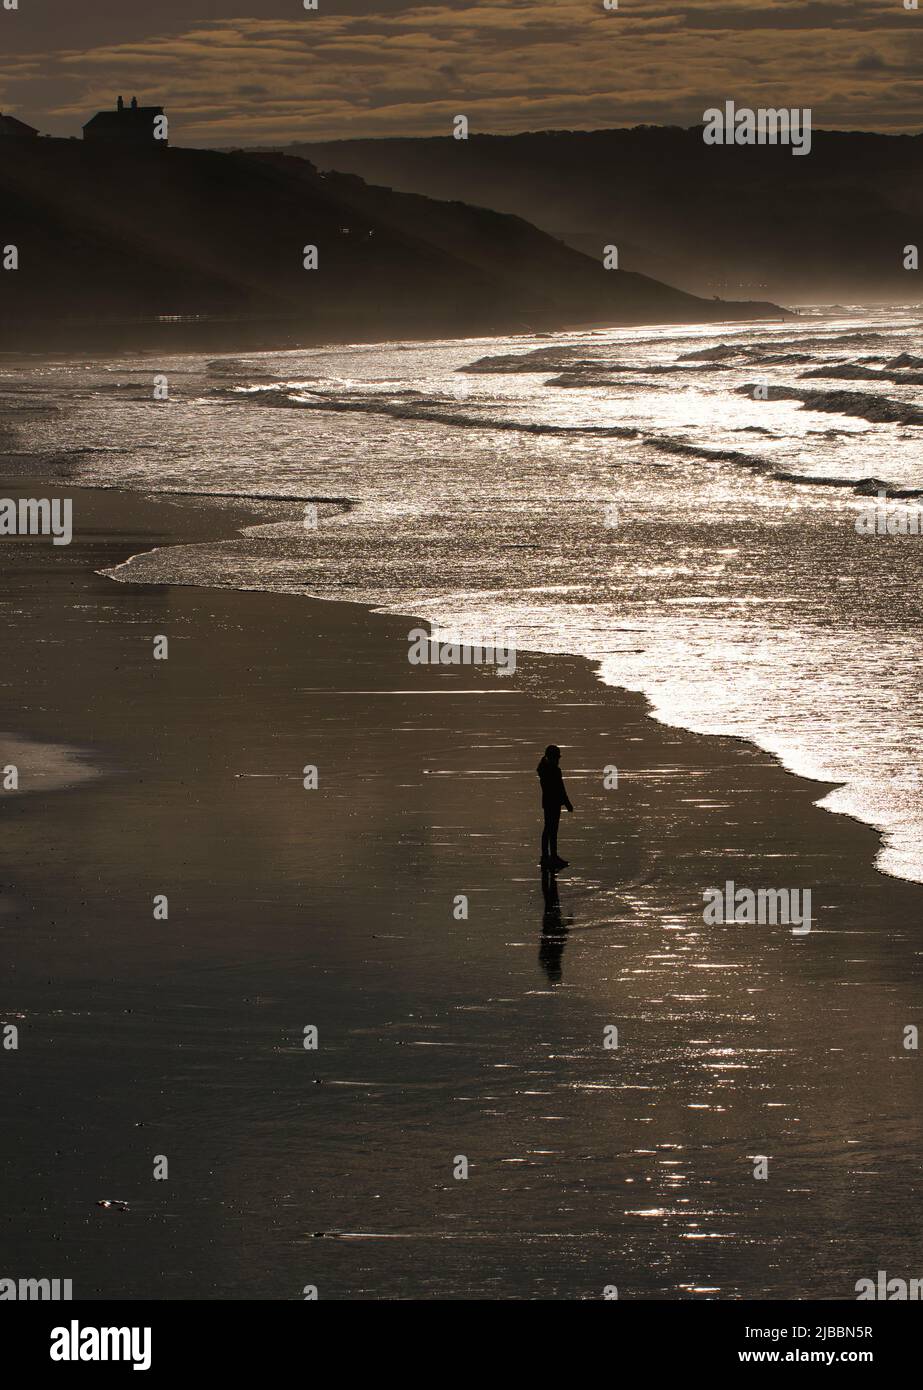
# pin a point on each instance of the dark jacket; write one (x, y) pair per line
(554, 793)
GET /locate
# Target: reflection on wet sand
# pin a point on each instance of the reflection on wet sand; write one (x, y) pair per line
(554, 929)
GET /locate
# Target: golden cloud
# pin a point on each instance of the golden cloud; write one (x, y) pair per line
(508, 64)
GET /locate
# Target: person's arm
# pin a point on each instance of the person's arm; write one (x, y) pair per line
(565, 799)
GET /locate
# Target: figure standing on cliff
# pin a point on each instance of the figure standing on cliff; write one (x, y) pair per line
(554, 796)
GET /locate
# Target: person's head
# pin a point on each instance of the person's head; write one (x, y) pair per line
(553, 753)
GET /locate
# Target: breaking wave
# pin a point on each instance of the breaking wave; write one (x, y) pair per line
(862, 404)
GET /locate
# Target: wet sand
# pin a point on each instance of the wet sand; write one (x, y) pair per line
(438, 1037)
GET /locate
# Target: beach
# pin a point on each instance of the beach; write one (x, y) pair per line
(440, 1035)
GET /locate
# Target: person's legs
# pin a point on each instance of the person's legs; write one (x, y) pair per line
(550, 833)
(552, 821)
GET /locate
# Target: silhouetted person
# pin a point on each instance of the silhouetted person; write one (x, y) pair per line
(554, 796)
(554, 930)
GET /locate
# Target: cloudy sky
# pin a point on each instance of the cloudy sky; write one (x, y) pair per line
(251, 71)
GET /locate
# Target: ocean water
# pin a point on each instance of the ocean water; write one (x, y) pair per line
(677, 504)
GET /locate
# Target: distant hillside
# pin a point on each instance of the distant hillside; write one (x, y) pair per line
(107, 240)
(737, 220)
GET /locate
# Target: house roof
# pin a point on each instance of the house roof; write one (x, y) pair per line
(10, 126)
(128, 118)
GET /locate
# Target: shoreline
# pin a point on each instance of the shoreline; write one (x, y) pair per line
(212, 333)
(594, 665)
(227, 520)
(439, 1035)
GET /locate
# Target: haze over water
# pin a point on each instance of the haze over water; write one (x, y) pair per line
(622, 495)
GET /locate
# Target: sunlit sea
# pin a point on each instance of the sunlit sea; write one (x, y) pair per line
(677, 504)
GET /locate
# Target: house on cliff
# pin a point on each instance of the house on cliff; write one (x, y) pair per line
(11, 129)
(130, 127)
